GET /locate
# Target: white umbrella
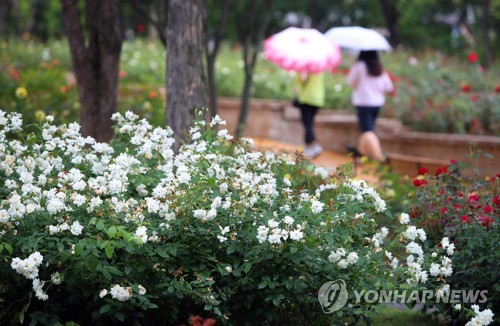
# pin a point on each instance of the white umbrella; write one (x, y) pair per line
(358, 38)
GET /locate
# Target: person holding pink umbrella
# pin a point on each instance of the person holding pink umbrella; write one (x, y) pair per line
(309, 53)
(310, 97)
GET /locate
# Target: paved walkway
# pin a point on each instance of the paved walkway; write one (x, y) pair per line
(328, 159)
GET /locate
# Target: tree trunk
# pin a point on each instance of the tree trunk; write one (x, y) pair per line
(185, 70)
(5, 8)
(485, 28)
(212, 49)
(37, 26)
(96, 60)
(251, 35)
(391, 17)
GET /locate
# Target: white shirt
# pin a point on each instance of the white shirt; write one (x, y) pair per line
(368, 90)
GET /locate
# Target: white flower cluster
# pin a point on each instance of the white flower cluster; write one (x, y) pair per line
(121, 293)
(343, 263)
(275, 235)
(416, 256)
(379, 237)
(28, 267)
(363, 191)
(482, 318)
(76, 228)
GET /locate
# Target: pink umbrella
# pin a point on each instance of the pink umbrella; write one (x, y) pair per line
(303, 50)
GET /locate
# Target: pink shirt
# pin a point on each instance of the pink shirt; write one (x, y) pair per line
(368, 90)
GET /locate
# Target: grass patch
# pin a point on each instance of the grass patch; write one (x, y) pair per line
(388, 316)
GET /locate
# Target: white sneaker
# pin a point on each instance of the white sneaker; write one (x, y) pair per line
(313, 151)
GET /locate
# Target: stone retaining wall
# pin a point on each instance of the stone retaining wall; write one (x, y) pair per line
(278, 120)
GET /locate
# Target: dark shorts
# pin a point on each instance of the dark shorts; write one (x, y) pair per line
(367, 116)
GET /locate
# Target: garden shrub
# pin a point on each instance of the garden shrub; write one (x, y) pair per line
(96, 233)
(456, 203)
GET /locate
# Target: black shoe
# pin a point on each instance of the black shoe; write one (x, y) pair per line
(353, 150)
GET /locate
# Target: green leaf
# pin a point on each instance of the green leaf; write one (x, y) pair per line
(230, 249)
(100, 225)
(9, 248)
(104, 309)
(79, 248)
(120, 316)
(92, 262)
(293, 250)
(112, 231)
(1, 248)
(162, 252)
(128, 269)
(109, 250)
(172, 250)
(277, 299)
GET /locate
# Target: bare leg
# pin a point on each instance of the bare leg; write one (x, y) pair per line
(369, 145)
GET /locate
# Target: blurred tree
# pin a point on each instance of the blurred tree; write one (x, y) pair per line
(391, 16)
(185, 69)
(5, 10)
(37, 24)
(216, 16)
(252, 20)
(155, 12)
(95, 53)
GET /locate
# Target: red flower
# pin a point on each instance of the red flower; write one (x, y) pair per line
(485, 221)
(153, 94)
(473, 198)
(497, 89)
(487, 209)
(496, 200)
(199, 321)
(14, 74)
(457, 206)
(442, 169)
(444, 210)
(466, 88)
(140, 28)
(460, 195)
(345, 71)
(423, 171)
(473, 57)
(419, 182)
(466, 219)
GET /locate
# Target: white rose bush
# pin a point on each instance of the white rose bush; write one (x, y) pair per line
(97, 233)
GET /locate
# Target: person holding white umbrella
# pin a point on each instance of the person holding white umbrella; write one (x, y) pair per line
(368, 80)
(369, 83)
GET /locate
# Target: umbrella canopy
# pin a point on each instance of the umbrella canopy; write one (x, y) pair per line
(302, 50)
(358, 38)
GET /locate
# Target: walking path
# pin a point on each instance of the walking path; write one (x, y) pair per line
(329, 160)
